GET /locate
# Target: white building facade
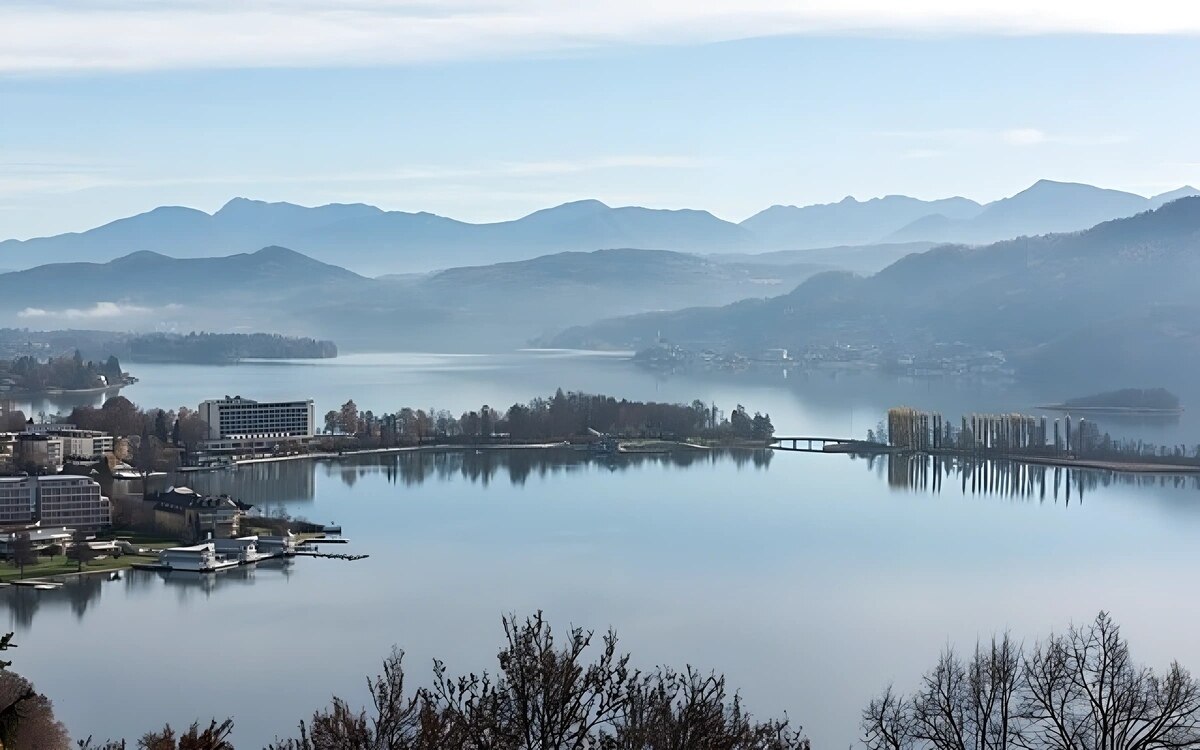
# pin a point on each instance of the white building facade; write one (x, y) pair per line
(89, 445)
(240, 425)
(72, 501)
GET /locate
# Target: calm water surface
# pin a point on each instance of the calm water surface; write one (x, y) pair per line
(834, 403)
(812, 581)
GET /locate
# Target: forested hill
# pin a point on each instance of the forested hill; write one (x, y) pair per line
(162, 347)
(1129, 288)
(224, 347)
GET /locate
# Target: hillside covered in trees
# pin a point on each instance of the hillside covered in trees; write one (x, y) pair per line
(562, 416)
(224, 347)
(1110, 305)
(202, 347)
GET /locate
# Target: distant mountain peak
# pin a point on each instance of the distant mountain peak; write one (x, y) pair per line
(141, 256)
(280, 253)
(1187, 191)
(585, 206)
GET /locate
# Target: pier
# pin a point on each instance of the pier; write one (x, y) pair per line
(806, 444)
(1009, 437)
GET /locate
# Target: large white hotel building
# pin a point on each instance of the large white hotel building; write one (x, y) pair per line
(240, 425)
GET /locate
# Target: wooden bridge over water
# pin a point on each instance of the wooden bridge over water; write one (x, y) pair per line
(813, 444)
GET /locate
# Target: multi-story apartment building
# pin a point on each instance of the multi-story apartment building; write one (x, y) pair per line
(40, 451)
(18, 500)
(72, 501)
(54, 501)
(240, 425)
(89, 445)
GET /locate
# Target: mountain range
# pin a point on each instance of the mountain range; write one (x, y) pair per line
(371, 241)
(484, 308)
(1118, 301)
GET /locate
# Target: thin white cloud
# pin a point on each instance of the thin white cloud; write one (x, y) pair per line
(98, 311)
(24, 178)
(1024, 137)
(73, 35)
(946, 138)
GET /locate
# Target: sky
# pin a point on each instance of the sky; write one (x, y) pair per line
(489, 109)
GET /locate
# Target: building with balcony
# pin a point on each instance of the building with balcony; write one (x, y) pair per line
(86, 445)
(242, 426)
(72, 501)
(37, 452)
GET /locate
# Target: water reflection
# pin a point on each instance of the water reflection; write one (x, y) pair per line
(78, 594)
(188, 586)
(23, 602)
(267, 485)
(1012, 479)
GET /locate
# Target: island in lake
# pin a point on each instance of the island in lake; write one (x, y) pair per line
(1145, 401)
(67, 374)
(193, 348)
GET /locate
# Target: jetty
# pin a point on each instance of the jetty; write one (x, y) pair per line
(1008, 437)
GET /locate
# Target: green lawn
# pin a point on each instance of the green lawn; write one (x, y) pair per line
(57, 566)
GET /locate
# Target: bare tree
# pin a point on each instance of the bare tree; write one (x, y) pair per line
(670, 710)
(214, 737)
(1077, 691)
(1084, 691)
(547, 695)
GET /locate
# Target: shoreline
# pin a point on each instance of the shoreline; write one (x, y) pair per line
(1114, 466)
(1131, 411)
(64, 391)
(658, 448)
(1097, 464)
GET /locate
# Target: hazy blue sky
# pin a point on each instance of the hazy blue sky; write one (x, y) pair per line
(490, 109)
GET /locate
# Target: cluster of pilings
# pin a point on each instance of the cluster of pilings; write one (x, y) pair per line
(1003, 432)
(913, 430)
(909, 429)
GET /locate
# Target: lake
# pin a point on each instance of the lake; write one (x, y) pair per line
(838, 403)
(811, 581)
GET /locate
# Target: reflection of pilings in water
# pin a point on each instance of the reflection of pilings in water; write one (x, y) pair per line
(1014, 479)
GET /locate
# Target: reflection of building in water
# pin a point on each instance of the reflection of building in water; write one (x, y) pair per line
(187, 583)
(263, 485)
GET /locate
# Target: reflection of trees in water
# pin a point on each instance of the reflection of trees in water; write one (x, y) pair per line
(272, 485)
(78, 593)
(1012, 479)
(483, 467)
